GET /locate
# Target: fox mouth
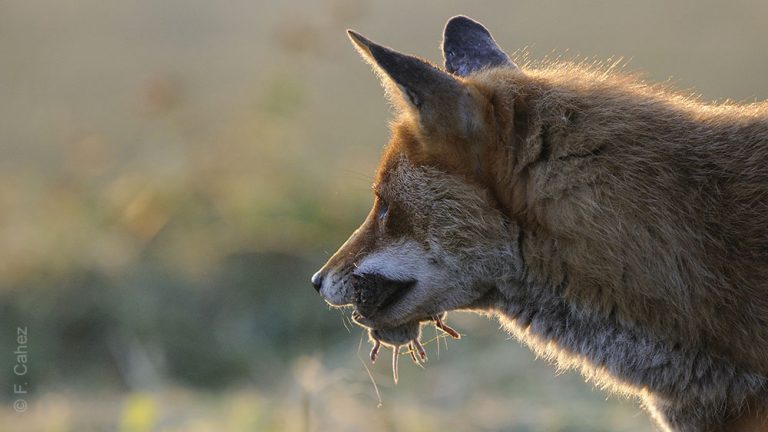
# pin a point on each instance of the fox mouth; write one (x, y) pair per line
(375, 299)
(375, 294)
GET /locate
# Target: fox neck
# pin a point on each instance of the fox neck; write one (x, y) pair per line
(619, 356)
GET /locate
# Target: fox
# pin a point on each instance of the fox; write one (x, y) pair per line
(614, 226)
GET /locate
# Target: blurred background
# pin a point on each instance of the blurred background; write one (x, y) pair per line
(173, 172)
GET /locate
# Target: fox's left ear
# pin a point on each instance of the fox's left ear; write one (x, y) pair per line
(437, 98)
(469, 47)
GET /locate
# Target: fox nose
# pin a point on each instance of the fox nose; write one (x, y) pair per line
(317, 281)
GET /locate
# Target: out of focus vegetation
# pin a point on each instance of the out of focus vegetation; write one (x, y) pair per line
(173, 172)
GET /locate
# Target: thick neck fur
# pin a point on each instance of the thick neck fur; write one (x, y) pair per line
(643, 220)
(689, 388)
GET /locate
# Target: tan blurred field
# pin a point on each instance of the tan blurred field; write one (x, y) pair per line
(173, 172)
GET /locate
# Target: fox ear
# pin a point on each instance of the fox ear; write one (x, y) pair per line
(438, 98)
(469, 47)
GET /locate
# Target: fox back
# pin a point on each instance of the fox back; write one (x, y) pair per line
(612, 225)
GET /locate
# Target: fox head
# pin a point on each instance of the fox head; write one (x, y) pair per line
(437, 238)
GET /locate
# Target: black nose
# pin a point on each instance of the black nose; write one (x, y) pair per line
(317, 281)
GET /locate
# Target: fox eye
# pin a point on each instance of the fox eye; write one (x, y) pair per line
(383, 209)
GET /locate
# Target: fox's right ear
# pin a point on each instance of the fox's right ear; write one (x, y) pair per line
(438, 99)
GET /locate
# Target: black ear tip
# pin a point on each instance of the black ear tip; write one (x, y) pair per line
(461, 19)
(463, 23)
(355, 36)
(361, 42)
